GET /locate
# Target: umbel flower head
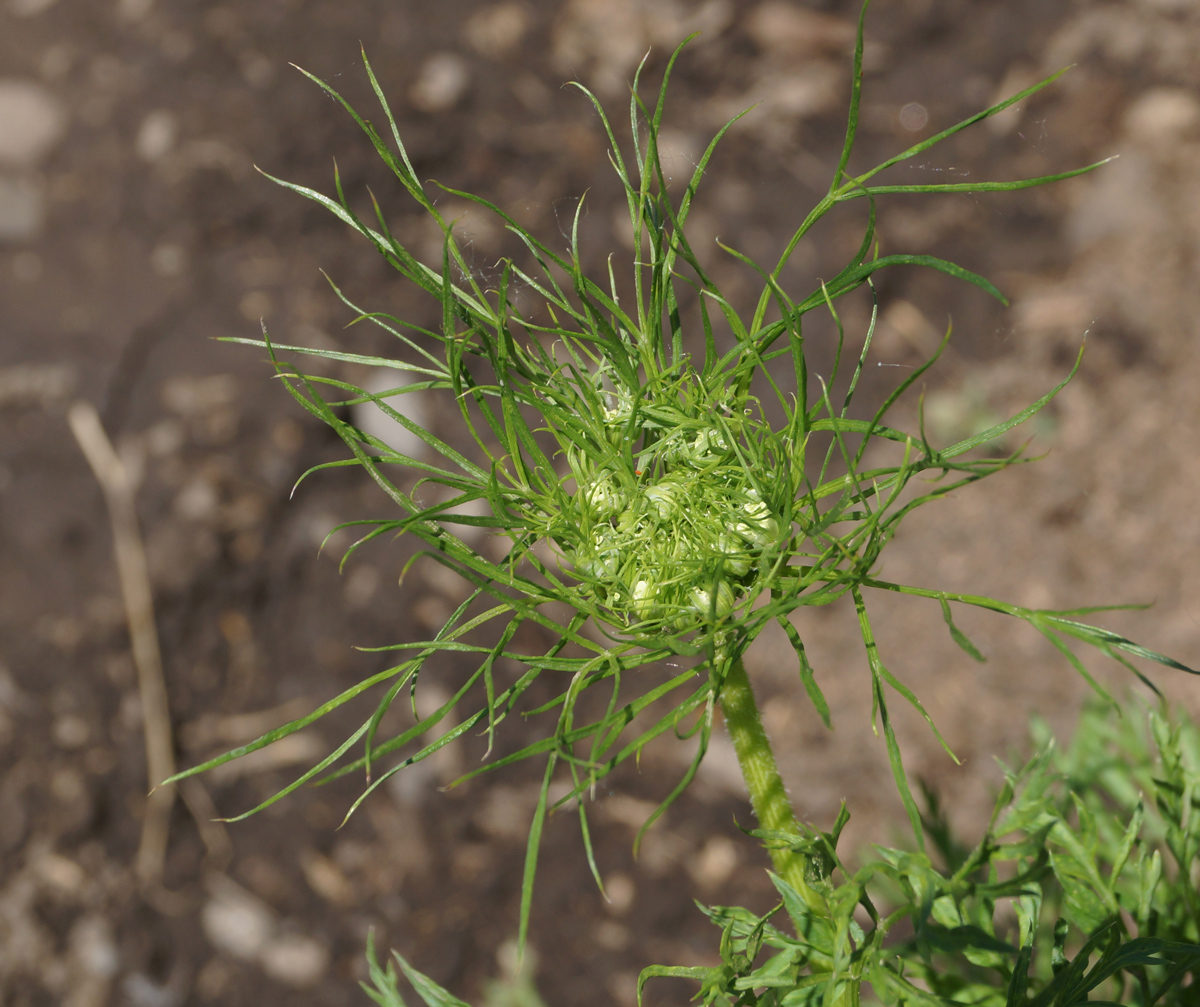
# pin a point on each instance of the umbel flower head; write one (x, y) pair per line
(680, 538)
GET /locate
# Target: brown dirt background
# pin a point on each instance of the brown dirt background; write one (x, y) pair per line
(146, 233)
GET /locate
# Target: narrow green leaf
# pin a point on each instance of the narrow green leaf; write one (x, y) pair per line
(698, 972)
(427, 989)
(957, 634)
(815, 695)
(532, 847)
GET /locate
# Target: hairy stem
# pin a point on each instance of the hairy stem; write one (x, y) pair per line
(768, 796)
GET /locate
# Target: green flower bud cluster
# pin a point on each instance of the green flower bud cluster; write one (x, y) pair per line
(676, 542)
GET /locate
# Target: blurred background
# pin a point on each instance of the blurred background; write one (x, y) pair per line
(135, 231)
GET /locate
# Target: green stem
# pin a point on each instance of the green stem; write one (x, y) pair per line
(768, 796)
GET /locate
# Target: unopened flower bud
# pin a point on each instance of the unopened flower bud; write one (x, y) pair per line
(702, 601)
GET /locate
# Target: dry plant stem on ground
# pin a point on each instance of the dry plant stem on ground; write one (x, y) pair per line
(113, 477)
(673, 480)
(119, 491)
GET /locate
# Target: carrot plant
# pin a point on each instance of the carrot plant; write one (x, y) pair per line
(671, 478)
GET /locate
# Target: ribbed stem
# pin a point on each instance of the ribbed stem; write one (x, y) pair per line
(768, 796)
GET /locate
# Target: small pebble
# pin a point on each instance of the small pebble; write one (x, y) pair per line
(257, 70)
(327, 879)
(71, 731)
(496, 29)
(59, 872)
(369, 418)
(156, 135)
(360, 586)
(506, 812)
(621, 892)
(93, 947)
(442, 82)
(67, 785)
(611, 936)
(142, 991)
(255, 305)
(295, 960)
(791, 30)
(237, 923)
(197, 500)
(32, 121)
(1163, 116)
(714, 863)
(195, 396)
(26, 385)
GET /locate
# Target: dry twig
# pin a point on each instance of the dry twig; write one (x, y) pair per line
(118, 488)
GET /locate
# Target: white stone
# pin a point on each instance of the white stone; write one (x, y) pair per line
(295, 960)
(32, 121)
(414, 783)
(1163, 116)
(26, 385)
(496, 29)
(1120, 200)
(720, 767)
(169, 260)
(142, 991)
(789, 29)
(441, 83)
(197, 500)
(678, 153)
(608, 35)
(71, 731)
(93, 947)
(506, 811)
(714, 863)
(236, 922)
(156, 135)
(193, 397)
(60, 873)
(812, 89)
(370, 419)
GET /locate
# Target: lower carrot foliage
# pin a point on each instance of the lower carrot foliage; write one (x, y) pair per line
(1081, 889)
(671, 478)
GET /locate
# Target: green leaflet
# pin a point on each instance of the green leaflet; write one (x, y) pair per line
(1024, 920)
